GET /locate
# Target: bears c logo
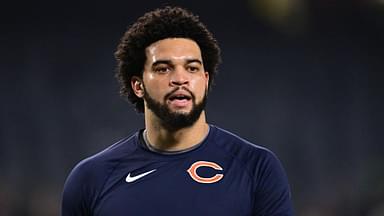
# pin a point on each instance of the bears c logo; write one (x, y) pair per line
(192, 171)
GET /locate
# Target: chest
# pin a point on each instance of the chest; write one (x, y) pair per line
(181, 187)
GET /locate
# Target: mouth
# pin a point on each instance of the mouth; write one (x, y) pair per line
(179, 100)
(179, 97)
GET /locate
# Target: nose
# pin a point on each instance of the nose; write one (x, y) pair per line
(179, 77)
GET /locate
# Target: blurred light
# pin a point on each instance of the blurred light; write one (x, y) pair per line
(289, 16)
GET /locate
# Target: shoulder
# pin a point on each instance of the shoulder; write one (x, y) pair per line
(86, 179)
(254, 158)
(106, 159)
(269, 180)
(236, 145)
(91, 172)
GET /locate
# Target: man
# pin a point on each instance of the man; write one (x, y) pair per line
(179, 164)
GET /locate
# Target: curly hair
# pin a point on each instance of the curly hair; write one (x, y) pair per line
(161, 23)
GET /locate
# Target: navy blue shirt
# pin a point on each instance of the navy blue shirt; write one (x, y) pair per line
(224, 175)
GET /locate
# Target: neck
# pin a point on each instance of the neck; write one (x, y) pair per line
(165, 139)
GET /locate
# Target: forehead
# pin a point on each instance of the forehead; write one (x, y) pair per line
(173, 49)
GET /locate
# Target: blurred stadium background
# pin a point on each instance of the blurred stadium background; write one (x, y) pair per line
(303, 78)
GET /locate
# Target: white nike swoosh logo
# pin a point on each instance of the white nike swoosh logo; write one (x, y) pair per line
(134, 178)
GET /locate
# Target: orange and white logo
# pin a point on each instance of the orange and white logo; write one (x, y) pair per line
(192, 171)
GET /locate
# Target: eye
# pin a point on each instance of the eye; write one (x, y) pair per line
(193, 69)
(162, 69)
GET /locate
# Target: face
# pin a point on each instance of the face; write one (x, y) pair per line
(174, 82)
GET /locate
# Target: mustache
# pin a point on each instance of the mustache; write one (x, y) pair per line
(177, 89)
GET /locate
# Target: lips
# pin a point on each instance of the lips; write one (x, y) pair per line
(179, 99)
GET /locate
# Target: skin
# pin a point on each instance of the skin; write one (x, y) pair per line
(170, 64)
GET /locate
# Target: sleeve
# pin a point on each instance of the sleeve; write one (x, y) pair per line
(272, 192)
(75, 197)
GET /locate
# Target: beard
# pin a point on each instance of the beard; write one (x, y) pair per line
(173, 120)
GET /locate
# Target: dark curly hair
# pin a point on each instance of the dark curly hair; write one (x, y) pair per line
(161, 23)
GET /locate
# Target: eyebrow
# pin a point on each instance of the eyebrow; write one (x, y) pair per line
(169, 62)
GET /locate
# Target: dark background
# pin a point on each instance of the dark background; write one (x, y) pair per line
(303, 78)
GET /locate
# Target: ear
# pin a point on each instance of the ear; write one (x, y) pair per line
(137, 86)
(206, 73)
